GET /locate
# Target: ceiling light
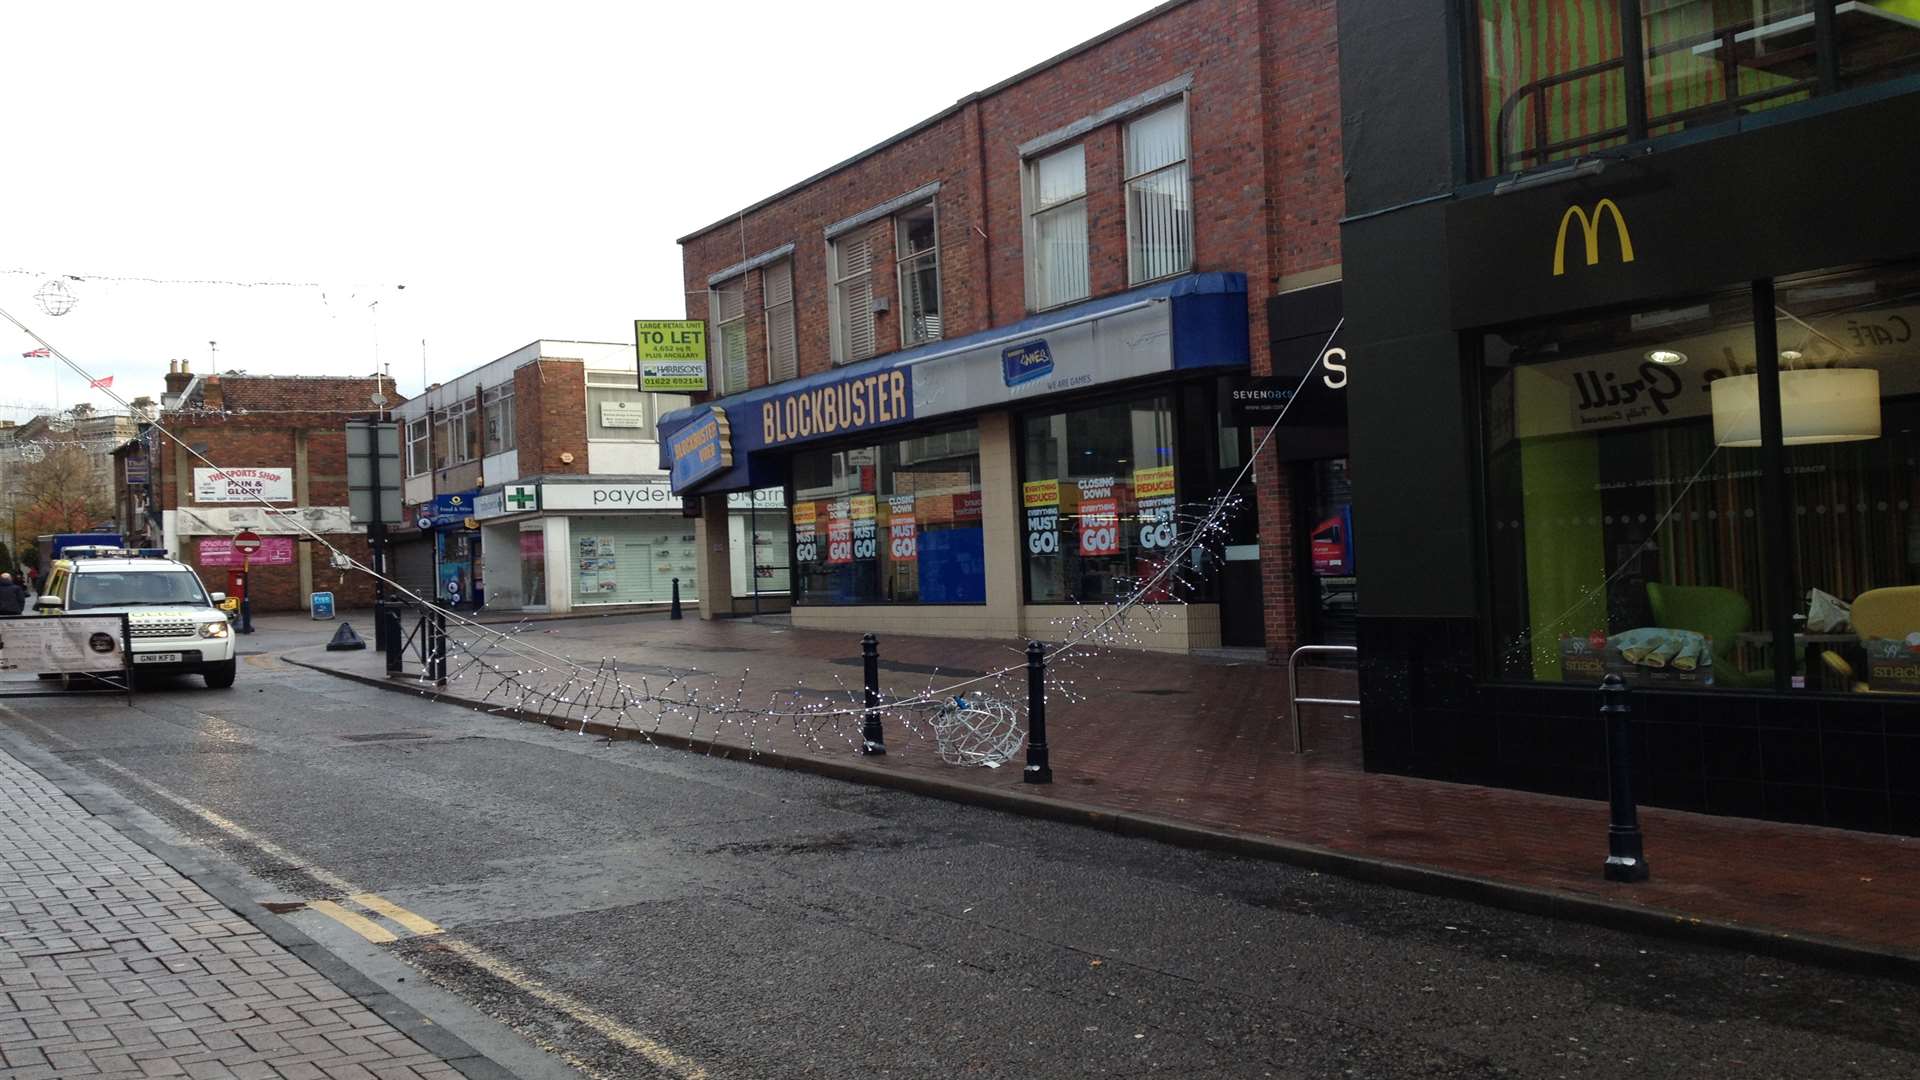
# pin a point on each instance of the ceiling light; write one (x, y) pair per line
(1667, 356)
(1821, 405)
(1791, 356)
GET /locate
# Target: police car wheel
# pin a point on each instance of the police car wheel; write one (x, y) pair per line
(219, 676)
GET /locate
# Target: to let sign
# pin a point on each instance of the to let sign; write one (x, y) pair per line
(672, 354)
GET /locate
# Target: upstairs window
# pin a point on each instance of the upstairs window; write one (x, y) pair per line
(776, 298)
(616, 409)
(453, 435)
(1057, 228)
(851, 301)
(917, 250)
(1159, 205)
(497, 409)
(418, 461)
(727, 308)
(1556, 82)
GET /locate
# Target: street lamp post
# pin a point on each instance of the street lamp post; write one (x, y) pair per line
(246, 543)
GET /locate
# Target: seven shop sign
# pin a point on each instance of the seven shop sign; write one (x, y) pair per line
(242, 485)
(672, 354)
(701, 449)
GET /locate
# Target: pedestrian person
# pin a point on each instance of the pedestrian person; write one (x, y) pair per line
(13, 598)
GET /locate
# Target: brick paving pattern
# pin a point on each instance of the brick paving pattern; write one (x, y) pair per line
(114, 965)
(1208, 743)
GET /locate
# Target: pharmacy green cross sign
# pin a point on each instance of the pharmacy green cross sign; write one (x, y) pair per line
(522, 498)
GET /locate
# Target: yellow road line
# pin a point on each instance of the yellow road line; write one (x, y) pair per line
(357, 923)
(603, 1025)
(379, 904)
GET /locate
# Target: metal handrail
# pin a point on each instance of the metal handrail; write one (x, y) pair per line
(1294, 700)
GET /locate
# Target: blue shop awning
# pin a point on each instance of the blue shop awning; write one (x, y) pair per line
(1193, 322)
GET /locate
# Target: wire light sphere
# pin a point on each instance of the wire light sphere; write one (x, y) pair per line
(977, 731)
(32, 452)
(55, 298)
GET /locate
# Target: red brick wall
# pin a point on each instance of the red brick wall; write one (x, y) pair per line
(1264, 137)
(263, 420)
(550, 416)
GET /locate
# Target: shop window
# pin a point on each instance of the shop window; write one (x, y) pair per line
(917, 249)
(616, 409)
(851, 299)
(1159, 206)
(1057, 228)
(783, 348)
(727, 308)
(630, 560)
(1629, 479)
(1621, 537)
(497, 415)
(1098, 500)
(894, 523)
(1850, 408)
(417, 444)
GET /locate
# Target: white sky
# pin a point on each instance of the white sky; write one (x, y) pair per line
(522, 169)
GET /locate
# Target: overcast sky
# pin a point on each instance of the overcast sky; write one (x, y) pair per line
(521, 169)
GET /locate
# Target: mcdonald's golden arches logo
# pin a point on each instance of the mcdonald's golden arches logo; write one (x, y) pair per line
(1590, 232)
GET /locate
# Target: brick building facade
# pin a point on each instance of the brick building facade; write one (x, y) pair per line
(1166, 180)
(532, 482)
(292, 430)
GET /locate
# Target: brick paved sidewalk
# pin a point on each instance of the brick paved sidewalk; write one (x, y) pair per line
(1208, 744)
(114, 965)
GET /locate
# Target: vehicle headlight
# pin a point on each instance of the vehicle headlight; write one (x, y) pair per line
(213, 629)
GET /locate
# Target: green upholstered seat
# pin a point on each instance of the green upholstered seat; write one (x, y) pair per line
(1720, 614)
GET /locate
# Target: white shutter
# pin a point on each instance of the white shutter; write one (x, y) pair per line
(853, 258)
(776, 284)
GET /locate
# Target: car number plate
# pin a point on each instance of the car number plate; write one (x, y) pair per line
(156, 658)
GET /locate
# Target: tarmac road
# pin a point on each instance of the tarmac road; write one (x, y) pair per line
(647, 912)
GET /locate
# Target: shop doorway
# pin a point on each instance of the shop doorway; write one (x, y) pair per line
(1243, 613)
(1331, 592)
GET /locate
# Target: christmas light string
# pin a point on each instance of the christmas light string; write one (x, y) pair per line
(982, 729)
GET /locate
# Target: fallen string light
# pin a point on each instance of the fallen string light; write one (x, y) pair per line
(598, 694)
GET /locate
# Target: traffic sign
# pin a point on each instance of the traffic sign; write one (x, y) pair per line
(247, 542)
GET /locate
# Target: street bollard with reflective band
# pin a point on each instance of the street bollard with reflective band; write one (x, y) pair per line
(1626, 859)
(675, 613)
(873, 740)
(1038, 771)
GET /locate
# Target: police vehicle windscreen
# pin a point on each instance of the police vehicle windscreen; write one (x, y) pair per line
(135, 589)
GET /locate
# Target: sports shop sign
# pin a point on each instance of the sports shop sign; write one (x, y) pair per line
(266, 484)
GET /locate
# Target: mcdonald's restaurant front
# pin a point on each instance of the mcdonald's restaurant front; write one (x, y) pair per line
(1655, 416)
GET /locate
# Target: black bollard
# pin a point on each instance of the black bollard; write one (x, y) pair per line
(675, 613)
(389, 617)
(439, 647)
(1626, 859)
(1037, 771)
(873, 740)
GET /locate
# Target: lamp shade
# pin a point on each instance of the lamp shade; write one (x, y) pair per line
(1818, 405)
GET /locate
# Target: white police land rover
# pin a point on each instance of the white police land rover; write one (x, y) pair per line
(171, 617)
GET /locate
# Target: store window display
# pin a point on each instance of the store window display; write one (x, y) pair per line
(1099, 504)
(895, 522)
